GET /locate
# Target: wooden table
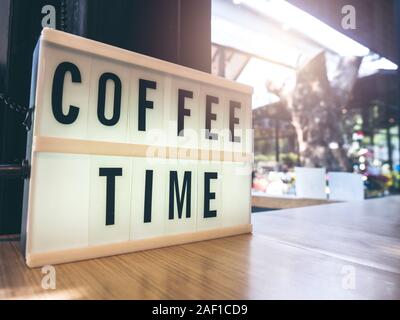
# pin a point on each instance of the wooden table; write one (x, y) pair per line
(335, 251)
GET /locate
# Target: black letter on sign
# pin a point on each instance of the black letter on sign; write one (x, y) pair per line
(180, 198)
(101, 109)
(110, 173)
(182, 94)
(57, 92)
(143, 103)
(209, 195)
(148, 195)
(233, 120)
(210, 116)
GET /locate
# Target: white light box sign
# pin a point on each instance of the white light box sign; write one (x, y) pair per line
(130, 153)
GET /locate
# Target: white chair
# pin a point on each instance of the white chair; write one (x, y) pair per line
(344, 186)
(310, 183)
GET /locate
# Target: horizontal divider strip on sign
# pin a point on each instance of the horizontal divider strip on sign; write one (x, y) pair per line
(76, 254)
(76, 146)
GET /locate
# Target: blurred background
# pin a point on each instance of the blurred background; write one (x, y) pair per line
(326, 86)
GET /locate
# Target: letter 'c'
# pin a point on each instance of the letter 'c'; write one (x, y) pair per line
(57, 92)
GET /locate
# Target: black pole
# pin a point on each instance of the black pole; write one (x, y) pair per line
(389, 146)
(388, 138)
(277, 147)
(15, 170)
(397, 33)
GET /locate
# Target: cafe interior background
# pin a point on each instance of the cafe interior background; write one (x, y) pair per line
(350, 114)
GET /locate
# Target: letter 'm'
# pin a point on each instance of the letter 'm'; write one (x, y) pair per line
(180, 196)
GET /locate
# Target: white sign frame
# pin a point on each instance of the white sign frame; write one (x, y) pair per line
(62, 197)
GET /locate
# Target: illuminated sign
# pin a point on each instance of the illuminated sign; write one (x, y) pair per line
(129, 153)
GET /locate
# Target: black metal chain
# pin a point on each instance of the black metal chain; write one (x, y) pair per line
(63, 15)
(14, 170)
(27, 123)
(16, 107)
(12, 104)
(23, 170)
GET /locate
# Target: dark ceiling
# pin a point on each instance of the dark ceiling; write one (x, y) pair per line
(375, 21)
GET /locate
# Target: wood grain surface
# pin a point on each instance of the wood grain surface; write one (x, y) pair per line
(302, 253)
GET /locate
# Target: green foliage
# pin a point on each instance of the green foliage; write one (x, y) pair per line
(289, 159)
